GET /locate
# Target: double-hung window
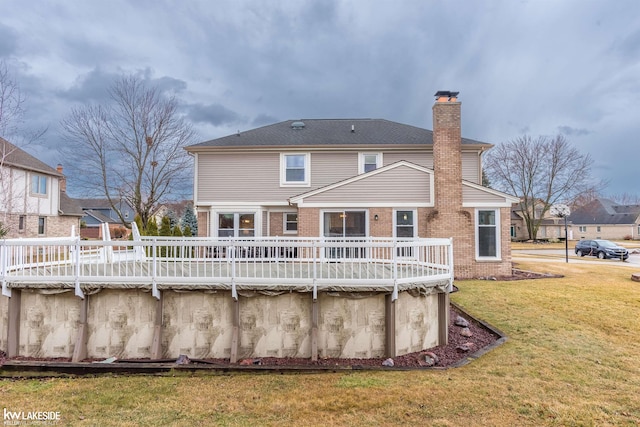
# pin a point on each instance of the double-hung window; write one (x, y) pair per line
(295, 169)
(368, 162)
(38, 184)
(488, 233)
(290, 222)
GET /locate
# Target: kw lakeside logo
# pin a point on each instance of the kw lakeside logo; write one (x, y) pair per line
(21, 418)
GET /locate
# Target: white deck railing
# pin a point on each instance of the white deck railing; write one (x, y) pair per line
(315, 263)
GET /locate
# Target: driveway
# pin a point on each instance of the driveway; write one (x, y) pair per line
(558, 255)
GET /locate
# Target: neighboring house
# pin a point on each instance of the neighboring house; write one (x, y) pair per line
(551, 227)
(171, 208)
(355, 178)
(605, 219)
(33, 199)
(100, 211)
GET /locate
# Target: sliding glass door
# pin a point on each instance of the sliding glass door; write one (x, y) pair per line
(343, 224)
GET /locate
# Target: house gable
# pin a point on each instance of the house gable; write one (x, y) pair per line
(399, 184)
(475, 196)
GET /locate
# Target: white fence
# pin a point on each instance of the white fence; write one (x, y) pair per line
(313, 263)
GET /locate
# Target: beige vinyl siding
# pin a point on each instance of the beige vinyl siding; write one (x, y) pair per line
(471, 167)
(328, 168)
(255, 177)
(399, 185)
(422, 158)
(470, 162)
(474, 195)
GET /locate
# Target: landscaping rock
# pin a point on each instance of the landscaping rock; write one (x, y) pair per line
(466, 347)
(426, 361)
(466, 332)
(388, 362)
(462, 322)
(183, 359)
(431, 355)
(251, 362)
(635, 277)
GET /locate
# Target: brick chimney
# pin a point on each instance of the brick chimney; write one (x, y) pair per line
(447, 156)
(63, 179)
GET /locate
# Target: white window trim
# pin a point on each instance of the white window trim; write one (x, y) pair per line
(395, 221)
(498, 256)
(307, 171)
(284, 222)
(257, 220)
(361, 160)
(46, 185)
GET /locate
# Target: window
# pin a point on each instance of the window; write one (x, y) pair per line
(404, 224)
(294, 170)
(583, 228)
(290, 222)
(21, 222)
(405, 229)
(38, 184)
(236, 225)
(487, 236)
(368, 162)
(598, 229)
(41, 225)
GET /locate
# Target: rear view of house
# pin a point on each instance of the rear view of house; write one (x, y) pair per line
(357, 178)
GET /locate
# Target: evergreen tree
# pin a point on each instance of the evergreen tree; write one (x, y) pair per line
(138, 220)
(190, 220)
(165, 227)
(152, 227)
(187, 231)
(177, 232)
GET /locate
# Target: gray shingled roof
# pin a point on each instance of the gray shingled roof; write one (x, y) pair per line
(100, 217)
(11, 155)
(605, 212)
(94, 203)
(329, 132)
(69, 206)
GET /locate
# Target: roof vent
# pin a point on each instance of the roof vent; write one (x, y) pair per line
(297, 125)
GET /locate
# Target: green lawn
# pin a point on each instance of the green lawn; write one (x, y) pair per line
(572, 359)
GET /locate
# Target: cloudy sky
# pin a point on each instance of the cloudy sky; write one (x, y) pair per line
(538, 67)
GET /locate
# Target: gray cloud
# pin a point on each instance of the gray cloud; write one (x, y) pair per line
(570, 131)
(214, 114)
(520, 67)
(8, 41)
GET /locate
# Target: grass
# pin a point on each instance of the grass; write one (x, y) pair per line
(571, 360)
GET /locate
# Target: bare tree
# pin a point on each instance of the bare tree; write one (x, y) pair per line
(625, 198)
(130, 148)
(12, 126)
(541, 171)
(11, 103)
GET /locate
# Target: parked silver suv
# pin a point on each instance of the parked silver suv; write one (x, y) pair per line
(601, 248)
